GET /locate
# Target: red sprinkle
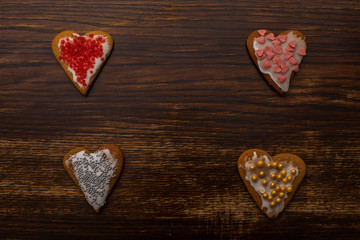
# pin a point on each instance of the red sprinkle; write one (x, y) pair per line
(261, 39)
(287, 54)
(270, 36)
(301, 51)
(266, 64)
(281, 78)
(293, 61)
(278, 50)
(277, 69)
(280, 61)
(292, 44)
(80, 55)
(276, 42)
(284, 68)
(275, 59)
(289, 48)
(270, 55)
(282, 38)
(262, 32)
(268, 49)
(259, 52)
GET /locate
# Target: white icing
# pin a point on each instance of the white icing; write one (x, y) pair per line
(290, 37)
(94, 172)
(98, 62)
(260, 188)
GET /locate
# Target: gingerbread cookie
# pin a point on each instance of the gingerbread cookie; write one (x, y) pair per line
(271, 181)
(95, 174)
(82, 56)
(277, 57)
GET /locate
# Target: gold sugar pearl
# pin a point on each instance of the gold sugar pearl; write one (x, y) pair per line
(282, 189)
(280, 166)
(284, 180)
(274, 165)
(272, 204)
(268, 165)
(260, 163)
(273, 175)
(283, 172)
(289, 178)
(273, 192)
(278, 200)
(277, 188)
(262, 174)
(279, 177)
(272, 185)
(252, 167)
(270, 197)
(281, 194)
(289, 189)
(264, 182)
(293, 171)
(254, 178)
(265, 195)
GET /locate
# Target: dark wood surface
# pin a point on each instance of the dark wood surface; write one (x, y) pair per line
(183, 100)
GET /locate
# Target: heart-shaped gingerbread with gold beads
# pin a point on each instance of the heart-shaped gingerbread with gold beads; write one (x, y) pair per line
(277, 57)
(271, 181)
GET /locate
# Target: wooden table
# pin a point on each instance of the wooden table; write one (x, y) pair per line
(182, 98)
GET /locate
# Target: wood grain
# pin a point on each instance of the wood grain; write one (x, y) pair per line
(181, 97)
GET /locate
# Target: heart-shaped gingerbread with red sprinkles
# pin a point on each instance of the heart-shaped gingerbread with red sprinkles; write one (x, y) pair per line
(82, 57)
(277, 57)
(271, 181)
(95, 174)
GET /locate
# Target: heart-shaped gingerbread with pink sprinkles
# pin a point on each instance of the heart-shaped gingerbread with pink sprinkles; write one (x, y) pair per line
(277, 57)
(82, 57)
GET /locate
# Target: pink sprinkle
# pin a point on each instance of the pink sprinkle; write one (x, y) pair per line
(282, 38)
(277, 69)
(270, 36)
(278, 50)
(287, 54)
(289, 48)
(259, 52)
(292, 44)
(292, 61)
(268, 49)
(284, 68)
(296, 68)
(266, 64)
(262, 32)
(281, 78)
(275, 59)
(261, 39)
(276, 42)
(261, 57)
(270, 55)
(281, 62)
(301, 51)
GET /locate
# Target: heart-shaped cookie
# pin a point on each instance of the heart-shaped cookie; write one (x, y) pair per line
(82, 56)
(271, 181)
(277, 58)
(95, 174)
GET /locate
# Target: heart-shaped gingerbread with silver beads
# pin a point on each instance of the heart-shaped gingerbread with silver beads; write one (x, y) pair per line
(95, 174)
(271, 181)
